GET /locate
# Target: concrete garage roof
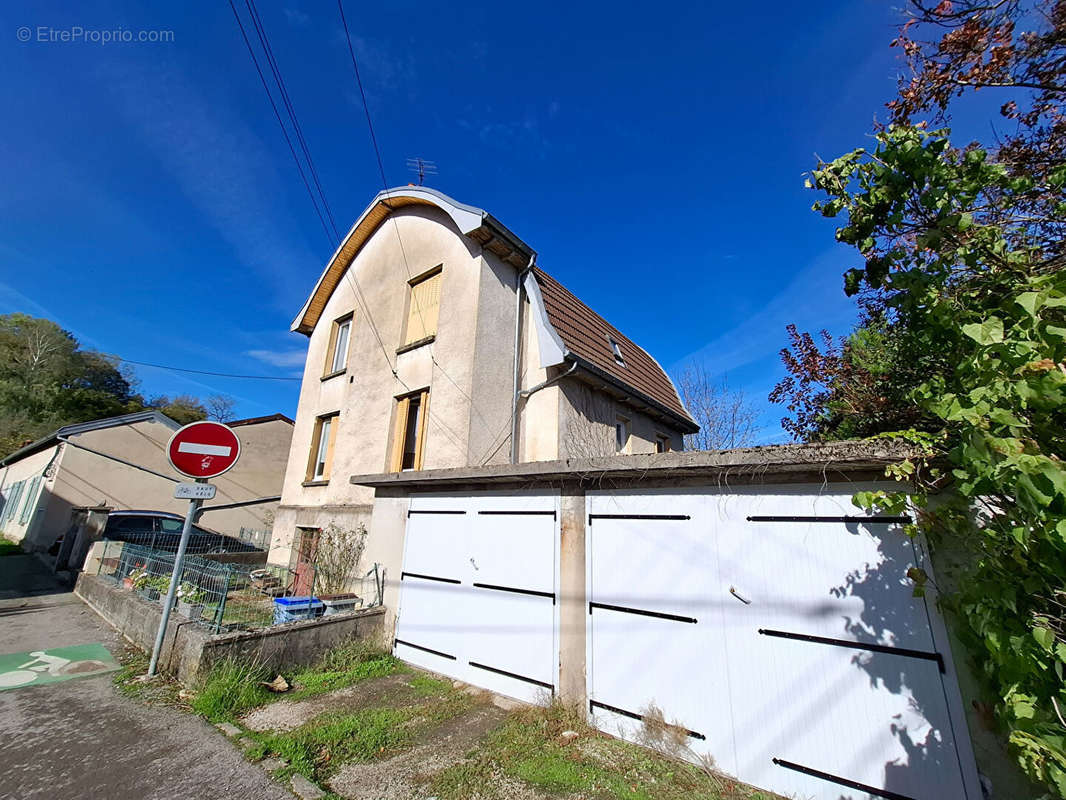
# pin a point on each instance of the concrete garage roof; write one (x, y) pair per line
(789, 463)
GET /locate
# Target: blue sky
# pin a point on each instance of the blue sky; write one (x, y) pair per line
(149, 204)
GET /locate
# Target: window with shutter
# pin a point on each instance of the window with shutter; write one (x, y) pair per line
(322, 443)
(409, 432)
(423, 307)
(339, 338)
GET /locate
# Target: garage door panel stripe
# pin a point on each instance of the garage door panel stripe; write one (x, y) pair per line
(825, 776)
(428, 577)
(531, 592)
(514, 675)
(518, 514)
(876, 648)
(880, 520)
(665, 517)
(425, 649)
(643, 612)
(594, 704)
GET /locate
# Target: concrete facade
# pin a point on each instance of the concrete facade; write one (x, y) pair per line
(467, 368)
(72, 477)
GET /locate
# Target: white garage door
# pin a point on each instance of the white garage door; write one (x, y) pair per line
(777, 627)
(478, 597)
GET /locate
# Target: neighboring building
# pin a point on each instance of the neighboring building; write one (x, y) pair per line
(43, 481)
(412, 332)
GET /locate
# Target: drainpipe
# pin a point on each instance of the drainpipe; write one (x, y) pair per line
(517, 355)
(545, 384)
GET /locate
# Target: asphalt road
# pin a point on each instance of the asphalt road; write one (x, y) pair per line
(80, 738)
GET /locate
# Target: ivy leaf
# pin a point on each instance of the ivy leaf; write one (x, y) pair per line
(988, 332)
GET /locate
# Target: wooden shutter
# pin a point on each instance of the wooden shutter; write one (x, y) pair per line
(424, 309)
(398, 430)
(329, 445)
(423, 409)
(327, 368)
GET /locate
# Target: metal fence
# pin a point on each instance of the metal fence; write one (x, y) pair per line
(226, 597)
(259, 539)
(200, 541)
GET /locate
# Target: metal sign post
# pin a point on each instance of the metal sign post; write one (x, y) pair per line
(200, 450)
(179, 563)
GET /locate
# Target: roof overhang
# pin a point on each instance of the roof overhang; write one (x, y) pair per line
(84, 427)
(846, 461)
(476, 223)
(624, 393)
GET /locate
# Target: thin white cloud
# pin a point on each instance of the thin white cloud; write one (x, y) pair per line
(813, 300)
(280, 358)
(222, 167)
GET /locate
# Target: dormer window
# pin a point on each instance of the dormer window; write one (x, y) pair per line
(616, 350)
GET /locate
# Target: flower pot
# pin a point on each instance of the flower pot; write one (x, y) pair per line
(127, 583)
(192, 611)
(148, 593)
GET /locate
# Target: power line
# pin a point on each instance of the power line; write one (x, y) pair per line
(205, 372)
(264, 42)
(277, 116)
(395, 225)
(366, 108)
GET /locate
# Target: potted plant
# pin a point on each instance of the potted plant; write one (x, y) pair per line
(128, 582)
(142, 581)
(191, 600)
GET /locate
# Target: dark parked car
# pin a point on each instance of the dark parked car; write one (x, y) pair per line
(161, 530)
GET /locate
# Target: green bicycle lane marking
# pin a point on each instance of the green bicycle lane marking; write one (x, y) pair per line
(38, 667)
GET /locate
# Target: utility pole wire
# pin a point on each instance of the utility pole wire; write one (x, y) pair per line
(277, 116)
(264, 41)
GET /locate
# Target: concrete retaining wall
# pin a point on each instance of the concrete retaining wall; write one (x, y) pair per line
(189, 651)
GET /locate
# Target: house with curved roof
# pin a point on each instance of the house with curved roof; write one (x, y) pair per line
(436, 340)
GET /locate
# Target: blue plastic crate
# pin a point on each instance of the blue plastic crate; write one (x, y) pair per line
(292, 609)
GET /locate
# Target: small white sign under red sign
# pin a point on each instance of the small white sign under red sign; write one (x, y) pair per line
(203, 449)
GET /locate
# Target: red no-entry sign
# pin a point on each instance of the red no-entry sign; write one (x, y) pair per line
(203, 449)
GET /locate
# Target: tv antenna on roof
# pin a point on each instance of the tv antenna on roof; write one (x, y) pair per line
(421, 168)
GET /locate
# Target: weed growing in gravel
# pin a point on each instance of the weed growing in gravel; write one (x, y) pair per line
(529, 747)
(130, 682)
(316, 748)
(231, 688)
(425, 686)
(343, 666)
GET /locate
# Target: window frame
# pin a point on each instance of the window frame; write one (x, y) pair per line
(312, 475)
(329, 368)
(663, 443)
(407, 343)
(399, 431)
(616, 351)
(626, 425)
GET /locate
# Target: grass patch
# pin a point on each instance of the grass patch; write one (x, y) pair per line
(316, 748)
(343, 666)
(528, 748)
(9, 548)
(426, 686)
(232, 688)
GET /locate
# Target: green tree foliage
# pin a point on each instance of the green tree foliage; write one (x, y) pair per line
(182, 408)
(963, 293)
(47, 381)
